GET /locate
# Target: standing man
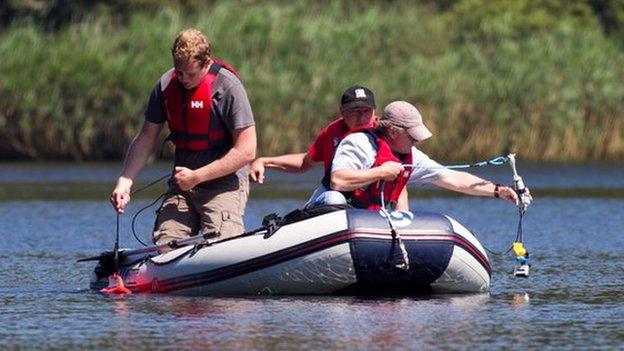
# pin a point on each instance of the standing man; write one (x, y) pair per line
(372, 165)
(357, 112)
(212, 127)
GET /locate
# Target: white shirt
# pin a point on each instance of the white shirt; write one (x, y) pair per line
(359, 150)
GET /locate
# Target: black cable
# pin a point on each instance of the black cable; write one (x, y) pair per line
(151, 184)
(518, 237)
(498, 253)
(139, 212)
(148, 206)
(519, 231)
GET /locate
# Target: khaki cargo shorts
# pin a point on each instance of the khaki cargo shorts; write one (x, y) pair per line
(202, 209)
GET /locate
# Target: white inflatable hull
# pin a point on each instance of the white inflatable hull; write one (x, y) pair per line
(340, 252)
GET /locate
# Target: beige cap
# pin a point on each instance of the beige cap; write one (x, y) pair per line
(405, 115)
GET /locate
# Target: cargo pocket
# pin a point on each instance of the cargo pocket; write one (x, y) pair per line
(231, 225)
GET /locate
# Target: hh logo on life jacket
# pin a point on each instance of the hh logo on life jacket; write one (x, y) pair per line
(197, 104)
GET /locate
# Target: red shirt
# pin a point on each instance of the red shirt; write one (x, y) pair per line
(324, 147)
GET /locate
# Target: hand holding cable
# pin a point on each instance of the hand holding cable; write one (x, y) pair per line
(185, 178)
(120, 196)
(506, 193)
(519, 187)
(388, 171)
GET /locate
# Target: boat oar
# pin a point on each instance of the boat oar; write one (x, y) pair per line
(115, 282)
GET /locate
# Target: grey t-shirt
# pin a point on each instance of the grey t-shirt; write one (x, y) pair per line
(359, 150)
(229, 103)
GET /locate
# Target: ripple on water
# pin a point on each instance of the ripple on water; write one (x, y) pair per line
(574, 291)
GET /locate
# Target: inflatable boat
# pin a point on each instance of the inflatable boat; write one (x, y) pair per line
(326, 250)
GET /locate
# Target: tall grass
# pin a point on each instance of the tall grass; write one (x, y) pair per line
(80, 93)
(556, 97)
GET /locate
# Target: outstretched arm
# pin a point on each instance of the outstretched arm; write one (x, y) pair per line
(292, 163)
(467, 183)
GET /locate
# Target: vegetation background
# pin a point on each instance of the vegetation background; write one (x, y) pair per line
(541, 77)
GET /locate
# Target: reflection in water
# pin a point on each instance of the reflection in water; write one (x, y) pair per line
(148, 321)
(122, 306)
(309, 322)
(520, 299)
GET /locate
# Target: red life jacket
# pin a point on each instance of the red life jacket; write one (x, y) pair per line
(189, 112)
(370, 197)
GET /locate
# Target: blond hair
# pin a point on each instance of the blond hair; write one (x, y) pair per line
(189, 45)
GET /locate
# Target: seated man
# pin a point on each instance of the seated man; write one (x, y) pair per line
(357, 112)
(385, 159)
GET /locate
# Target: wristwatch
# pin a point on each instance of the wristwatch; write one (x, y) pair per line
(496, 194)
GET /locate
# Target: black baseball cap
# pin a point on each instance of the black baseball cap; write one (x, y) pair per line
(357, 96)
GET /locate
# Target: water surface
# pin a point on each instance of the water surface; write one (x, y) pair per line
(572, 300)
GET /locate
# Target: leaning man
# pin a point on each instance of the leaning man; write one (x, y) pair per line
(212, 127)
(373, 167)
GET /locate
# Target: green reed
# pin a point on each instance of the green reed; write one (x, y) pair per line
(556, 95)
